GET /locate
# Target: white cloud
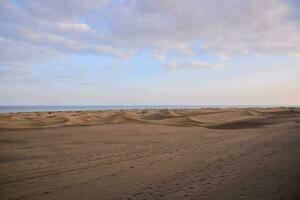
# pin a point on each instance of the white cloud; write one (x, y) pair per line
(294, 54)
(74, 26)
(15, 52)
(56, 10)
(193, 64)
(234, 27)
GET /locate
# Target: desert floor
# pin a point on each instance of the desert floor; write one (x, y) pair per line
(151, 154)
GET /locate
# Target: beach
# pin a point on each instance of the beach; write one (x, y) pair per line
(208, 153)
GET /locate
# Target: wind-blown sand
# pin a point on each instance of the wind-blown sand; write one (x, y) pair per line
(151, 154)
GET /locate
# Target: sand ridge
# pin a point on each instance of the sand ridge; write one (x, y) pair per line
(210, 118)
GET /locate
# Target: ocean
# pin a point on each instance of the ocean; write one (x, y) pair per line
(48, 108)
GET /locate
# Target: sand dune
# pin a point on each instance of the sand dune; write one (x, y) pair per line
(160, 114)
(210, 118)
(175, 154)
(240, 123)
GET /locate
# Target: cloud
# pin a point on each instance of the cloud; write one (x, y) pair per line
(294, 54)
(193, 64)
(14, 52)
(74, 26)
(234, 27)
(123, 28)
(56, 10)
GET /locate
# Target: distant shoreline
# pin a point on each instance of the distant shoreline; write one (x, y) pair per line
(6, 109)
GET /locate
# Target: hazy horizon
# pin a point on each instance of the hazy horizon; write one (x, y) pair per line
(50, 108)
(150, 52)
(150, 105)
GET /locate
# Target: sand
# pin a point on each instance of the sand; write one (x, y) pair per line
(151, 154)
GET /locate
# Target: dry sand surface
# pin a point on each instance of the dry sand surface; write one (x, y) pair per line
(151, 154)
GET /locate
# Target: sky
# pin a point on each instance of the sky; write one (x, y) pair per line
(150, 52)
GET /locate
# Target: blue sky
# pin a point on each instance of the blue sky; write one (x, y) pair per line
(102, 52)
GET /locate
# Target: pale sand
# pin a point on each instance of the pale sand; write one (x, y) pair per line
(151, 154)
